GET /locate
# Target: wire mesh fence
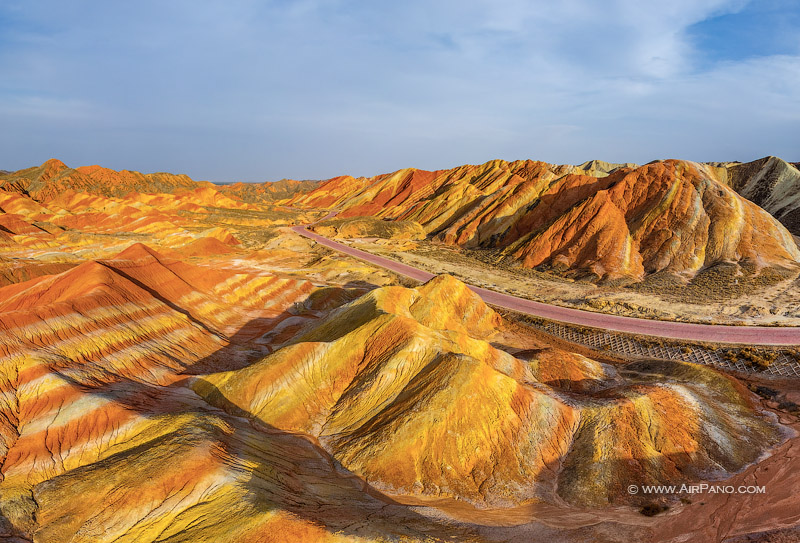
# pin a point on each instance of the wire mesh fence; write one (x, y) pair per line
(614, 342)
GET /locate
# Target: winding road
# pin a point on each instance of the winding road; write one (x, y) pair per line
(751, 335)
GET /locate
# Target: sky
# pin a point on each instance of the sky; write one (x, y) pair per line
(245, 90)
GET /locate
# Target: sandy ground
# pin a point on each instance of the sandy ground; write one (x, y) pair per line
(778, 304)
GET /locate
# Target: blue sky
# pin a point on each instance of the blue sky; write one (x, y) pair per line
(247, 90)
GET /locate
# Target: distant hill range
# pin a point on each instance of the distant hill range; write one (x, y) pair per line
(597, 220)
(54, 177)
(268, 191)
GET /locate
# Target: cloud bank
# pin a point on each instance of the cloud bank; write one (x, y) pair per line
(251, 90)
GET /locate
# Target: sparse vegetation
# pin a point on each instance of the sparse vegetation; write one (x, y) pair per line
(407, 282)
(720, 282)
(653, 509)
(759, 359)
(226, 215)
(370, 227)
(254, 237)
(728, 293)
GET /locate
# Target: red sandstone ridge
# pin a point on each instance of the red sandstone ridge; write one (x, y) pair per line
(176, 364)
(132, 382)
(205, 247)
(53, 217)
(47, 181)
(672, 215)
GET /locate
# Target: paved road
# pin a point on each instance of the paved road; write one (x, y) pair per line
(752, 335)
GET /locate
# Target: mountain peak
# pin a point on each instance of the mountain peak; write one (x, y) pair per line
(138, 251)
(54, 164)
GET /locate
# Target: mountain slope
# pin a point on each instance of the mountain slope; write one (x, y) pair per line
(673, 216)
(773, 184)
(89, 361)
(53, 178)
(403, 387)
(318, 405)
(269, 191)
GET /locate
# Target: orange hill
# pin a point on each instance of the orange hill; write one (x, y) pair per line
(46, 181)
(205, 246)
(53, 178)
(404, 387)
(102, 374)
(672, 215)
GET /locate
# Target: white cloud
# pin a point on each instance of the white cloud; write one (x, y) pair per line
(321, 87)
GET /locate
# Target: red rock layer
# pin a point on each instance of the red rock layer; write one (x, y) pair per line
(671, 215)
(104, 395)
(402, 387)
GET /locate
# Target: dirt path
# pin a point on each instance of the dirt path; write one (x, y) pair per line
(751, 335)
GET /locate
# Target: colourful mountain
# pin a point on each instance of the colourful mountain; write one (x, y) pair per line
(176, 364)
(53, 177)
(773, 184)
(603, 223)
(364, 403)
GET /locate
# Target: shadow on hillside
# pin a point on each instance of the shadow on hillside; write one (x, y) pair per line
(313, 485)
(366, 286)
(9, 534)
(292, 473)
(538, 215)
(158, 296)
(288, 472)
(252, 342)
(261, 336)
